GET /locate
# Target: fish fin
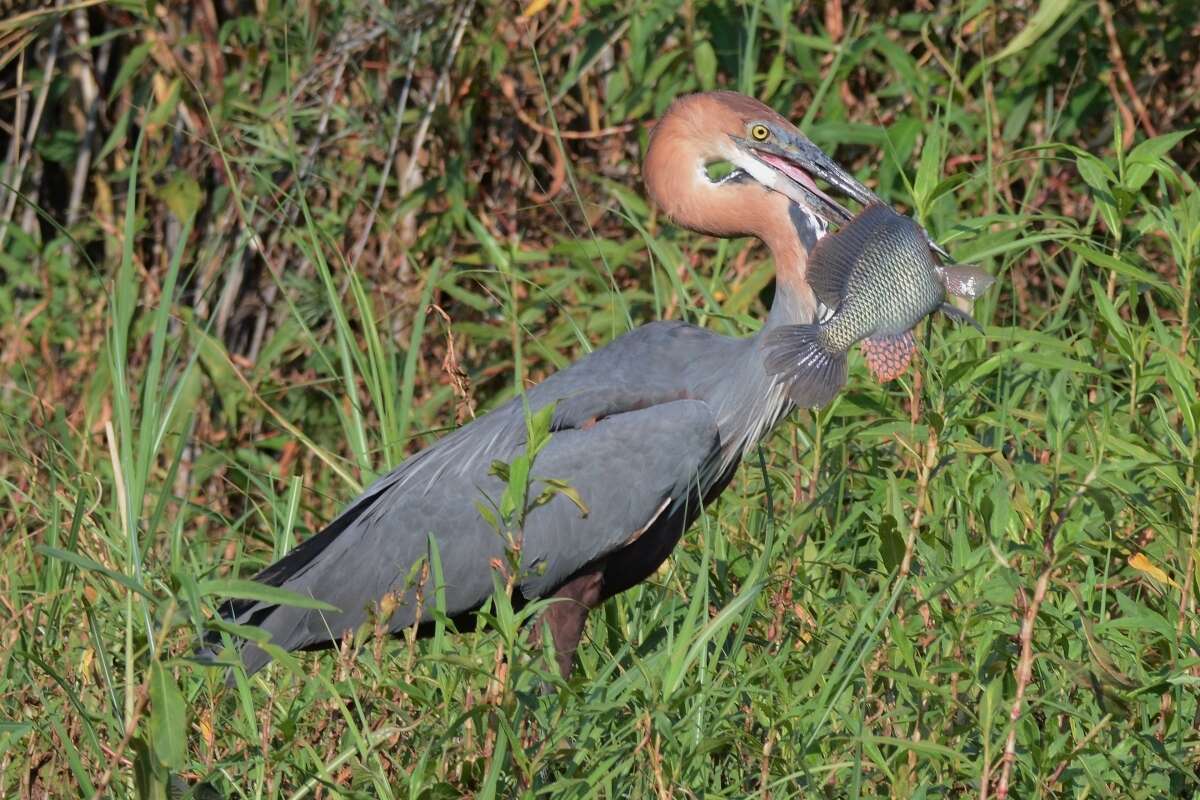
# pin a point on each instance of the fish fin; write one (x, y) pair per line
(964, 280)
(888, 356)
(835, 256)
(960, 316)
(813, 373)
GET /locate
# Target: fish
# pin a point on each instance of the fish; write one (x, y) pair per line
(880, 277)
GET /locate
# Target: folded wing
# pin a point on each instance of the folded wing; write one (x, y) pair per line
(629, 455)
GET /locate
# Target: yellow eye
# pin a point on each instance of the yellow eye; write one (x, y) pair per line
(759, 133)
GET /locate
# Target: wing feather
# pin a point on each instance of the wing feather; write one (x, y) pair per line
(625, 466)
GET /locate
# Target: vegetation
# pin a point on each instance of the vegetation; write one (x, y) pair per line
(254, 254)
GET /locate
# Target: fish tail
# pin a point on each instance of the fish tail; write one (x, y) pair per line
(814, 373)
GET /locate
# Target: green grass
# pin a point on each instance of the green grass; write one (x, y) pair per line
(202, 365)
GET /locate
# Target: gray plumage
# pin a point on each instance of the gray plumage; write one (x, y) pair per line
(645, 429)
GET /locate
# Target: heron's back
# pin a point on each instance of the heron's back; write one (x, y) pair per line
(626, 416)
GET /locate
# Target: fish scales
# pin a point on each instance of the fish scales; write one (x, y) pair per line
(892, 288)
(879, 275)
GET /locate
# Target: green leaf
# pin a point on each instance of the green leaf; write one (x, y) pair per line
(1052, 361)
(1100, 178)
(494, 254)
(149, 777)
(1038, 26)
(1150, 155)
(163, 111)
(929, 171)
(116, 137)
(925, 748)
(487, 515)
(168, 718)
(718, 171)
(1118, 265)
(59, 146)
(129, 66)
(1156, 147)
(217, 365)
(715, 625)
(1116, 325)
(553, 487)
(538, 430)
(705, 60)
(891, 543)
(253, 590)
(512, 504)
(182, 195)
(1183, 386)
(1162, 466)
(13, 729)
(946, 186)
(85, 563)
(775, 75)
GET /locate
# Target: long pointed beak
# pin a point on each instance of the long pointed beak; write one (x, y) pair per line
(798, 161)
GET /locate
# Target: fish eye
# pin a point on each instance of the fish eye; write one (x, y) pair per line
(759, 132)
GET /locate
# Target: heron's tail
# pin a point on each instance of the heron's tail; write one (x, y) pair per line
(813, 372)
(281, 622)
(285, 624)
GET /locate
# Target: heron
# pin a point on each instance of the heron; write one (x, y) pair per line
(647, 430)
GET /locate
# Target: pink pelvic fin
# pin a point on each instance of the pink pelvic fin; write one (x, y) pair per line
(888, 356)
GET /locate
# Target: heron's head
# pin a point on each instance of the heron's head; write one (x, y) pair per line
(764, 162)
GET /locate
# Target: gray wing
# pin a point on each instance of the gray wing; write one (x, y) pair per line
(627, 456)
(629, 469)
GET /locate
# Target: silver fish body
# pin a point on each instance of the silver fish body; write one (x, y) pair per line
(890, 282)
(880, 277)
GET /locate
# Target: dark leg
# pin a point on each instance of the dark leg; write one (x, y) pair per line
(566, 617)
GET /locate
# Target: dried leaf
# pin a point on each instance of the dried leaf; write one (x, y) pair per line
(534, 7)
(1142, 564)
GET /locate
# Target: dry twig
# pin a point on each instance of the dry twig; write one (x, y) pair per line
(393, 145)
(19, 165)
(509, 90)
(1118, 61)
(1025, 664)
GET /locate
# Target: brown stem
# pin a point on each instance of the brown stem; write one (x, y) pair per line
(1187, 606)
(1062, 765)
(509, 90)
(143, 698)
(1118, 60)
(558, 175)
(923, 473)
(16, 169)
(393, 144)
(1025, 664)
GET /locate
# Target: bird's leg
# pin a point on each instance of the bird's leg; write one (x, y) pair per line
(567, 615)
